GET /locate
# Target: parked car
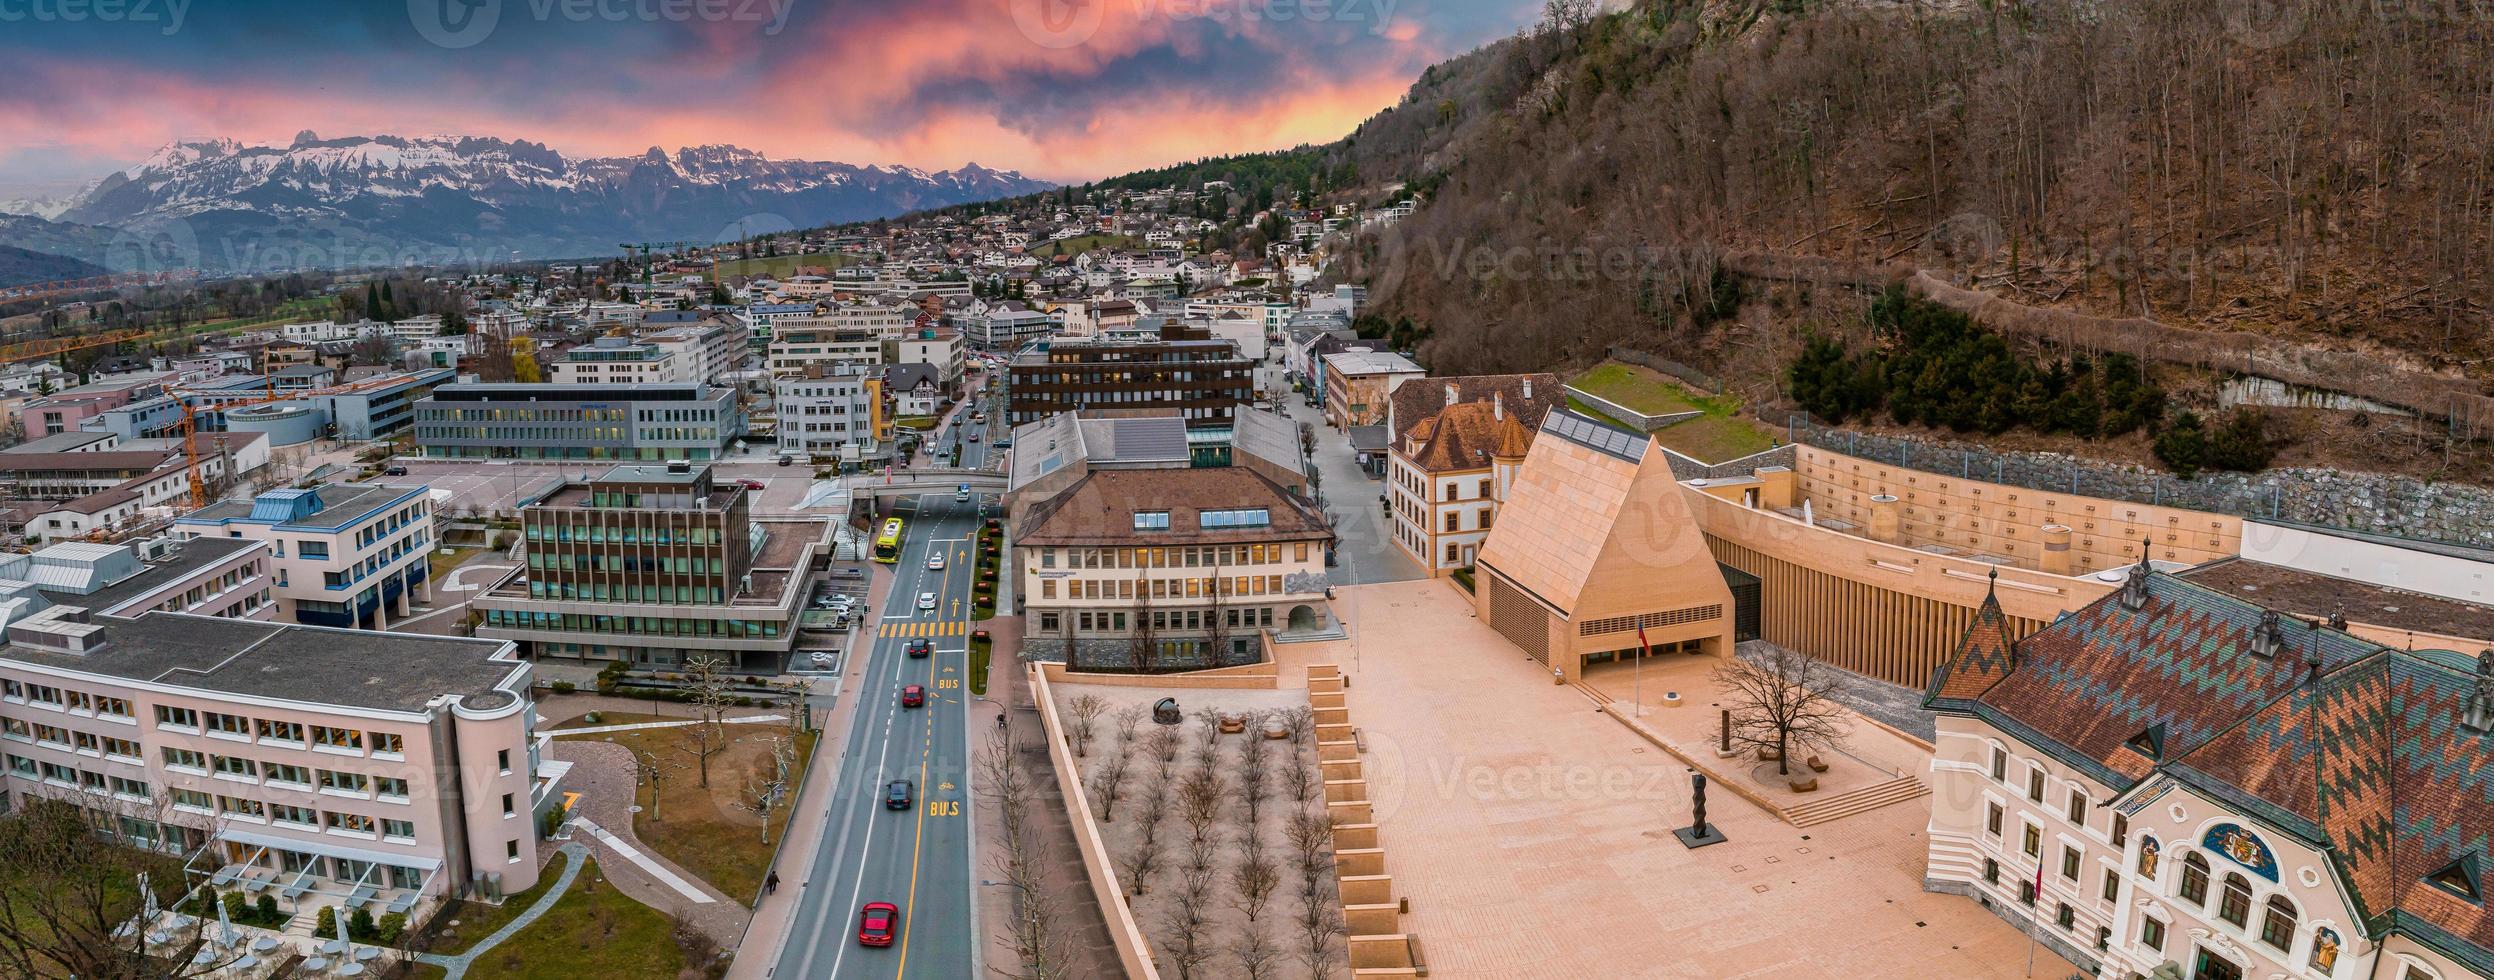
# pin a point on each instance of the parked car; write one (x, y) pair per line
(750, 484)
(394, 470)
(921, 647)
(898, 793)
(787, 460)
(926, 601)
(913, 696)
(848, 573)
(877, 922)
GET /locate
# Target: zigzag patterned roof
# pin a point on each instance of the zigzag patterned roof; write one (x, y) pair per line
(2364, 757)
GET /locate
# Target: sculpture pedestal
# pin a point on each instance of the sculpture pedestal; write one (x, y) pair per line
(1691, 839)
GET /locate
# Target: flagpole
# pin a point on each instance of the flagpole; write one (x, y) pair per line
(2034, 910)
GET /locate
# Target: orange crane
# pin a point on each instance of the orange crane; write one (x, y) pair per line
(190, 430)
(32, 349)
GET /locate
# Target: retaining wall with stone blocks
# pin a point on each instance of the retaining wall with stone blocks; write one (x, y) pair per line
(1391, 951)
(1371, 914)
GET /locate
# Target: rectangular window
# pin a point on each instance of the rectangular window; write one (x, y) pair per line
(2078, 808)
(2000, 765)
(281, 731)
(193, 798)
(2035, 784)
(507, 809)
(2069, 863)
(390, 786)
(227, 765)
(502, 759)
(224, 724)
(388, 743)
(1991, 820)
(2121, 829)
(2064, 916)
(2112, 884)
(2152, 934)
(511, 849)
(351, 822)
(176, 717)
(401, 829)
(337, 738)
(282, 773)
(2034, 845)
(347, 782)
(185, 759)
(287, 813)
(1991, 871)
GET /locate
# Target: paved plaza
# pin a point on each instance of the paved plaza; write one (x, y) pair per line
(1532, 833)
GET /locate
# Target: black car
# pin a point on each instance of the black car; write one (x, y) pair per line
(394, 471)
(898, 794)
(921, 647)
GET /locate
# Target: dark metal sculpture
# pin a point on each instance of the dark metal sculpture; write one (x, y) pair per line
(1698, 833)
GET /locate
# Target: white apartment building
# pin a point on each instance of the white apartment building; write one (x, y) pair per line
(418, 328)
(832, 417)
(342, 554)
(2176, 782)
(1456, 445)
(939, 347)
(323, 767)
(622, 360)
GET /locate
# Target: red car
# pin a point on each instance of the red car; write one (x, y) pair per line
(877, 922)
(750, 484)
(913, 696)
(921, 647)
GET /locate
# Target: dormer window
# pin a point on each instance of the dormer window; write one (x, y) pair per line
(2459, 878)
(2149, 742)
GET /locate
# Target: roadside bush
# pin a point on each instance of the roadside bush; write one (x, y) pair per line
(390, 928)
(360, 924)
(562, 687)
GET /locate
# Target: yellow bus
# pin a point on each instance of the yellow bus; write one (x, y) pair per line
(888, 544)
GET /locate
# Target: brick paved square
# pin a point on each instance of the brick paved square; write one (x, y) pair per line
(1534, 840)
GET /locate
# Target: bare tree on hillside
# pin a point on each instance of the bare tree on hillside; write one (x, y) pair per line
(1085, 712)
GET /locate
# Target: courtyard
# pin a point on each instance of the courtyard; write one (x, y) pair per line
(1532, 832)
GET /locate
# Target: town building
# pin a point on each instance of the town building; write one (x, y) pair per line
(1204, 379)
(562, 421)
(1595, 557)
(846, 335)
(1169, 566)
(834, 416)
(324, 768)
(1359, 381)
(340, 554)
(614, 360)
(656, 564)
(222, 577)
(2174, 781)
(931, 344)
(1008, 328)
(1457, 444)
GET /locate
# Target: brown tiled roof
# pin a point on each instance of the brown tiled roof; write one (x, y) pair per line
(1424, 397)
(1460, 438)
(1983, 655)
(1099, 509)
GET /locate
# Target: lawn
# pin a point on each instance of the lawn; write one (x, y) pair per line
(442, 564)
(595, 931)
(1723, 433)
(783, 266)
(478, 920)
(710, 832)
(1716, 438)
(981, 648)
(606, 718)
(1636, 389)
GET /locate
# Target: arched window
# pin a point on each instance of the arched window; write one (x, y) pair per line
(2195, 878)
(2277, 924)
(2236, 906)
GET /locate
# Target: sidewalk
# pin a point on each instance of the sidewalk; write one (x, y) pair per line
(757, 951)
(1079, 922)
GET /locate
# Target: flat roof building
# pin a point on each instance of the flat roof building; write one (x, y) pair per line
(342, 554)
(565, 421)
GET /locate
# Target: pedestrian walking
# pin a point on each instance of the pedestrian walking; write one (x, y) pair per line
(770, 885)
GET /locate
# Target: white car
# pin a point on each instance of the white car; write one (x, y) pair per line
(935, 562)
(926, 600)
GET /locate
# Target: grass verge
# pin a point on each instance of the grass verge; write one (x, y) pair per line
(595, 931)
(713, 832)
(478, 920)
(981, 649)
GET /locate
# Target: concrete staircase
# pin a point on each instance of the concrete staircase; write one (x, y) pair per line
(1862, 800)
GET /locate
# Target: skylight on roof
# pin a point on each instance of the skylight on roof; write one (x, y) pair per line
(1214, 520)
(2459, 878)
(1151, 520)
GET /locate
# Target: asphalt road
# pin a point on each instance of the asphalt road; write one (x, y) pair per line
(920, 858)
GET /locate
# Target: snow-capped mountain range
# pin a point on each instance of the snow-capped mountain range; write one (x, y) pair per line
(389, 200)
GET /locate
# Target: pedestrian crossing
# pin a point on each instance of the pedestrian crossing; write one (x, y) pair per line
(922, 629)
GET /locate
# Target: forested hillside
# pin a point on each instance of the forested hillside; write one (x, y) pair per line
(2314, 175)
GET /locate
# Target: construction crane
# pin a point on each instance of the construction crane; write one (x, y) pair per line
(35, 349)
(190, 429)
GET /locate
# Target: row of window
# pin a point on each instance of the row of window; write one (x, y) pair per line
(1163, 588)
(1221, 556)
(79, 702)
(635, 625)
(593, 533)
(69, 739)
(284, 775)
(630, 563)
(1260, 617)
(289, 733)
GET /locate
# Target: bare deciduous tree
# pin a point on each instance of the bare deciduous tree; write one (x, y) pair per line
(706, 737)
(1784, 701)
(1084, 714)
(655, 771)
(1020, 862)
(1253, 880)
(67, 886)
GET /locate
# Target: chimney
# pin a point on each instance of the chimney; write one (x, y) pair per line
(2056, 557)
(1887, 519)
(1528, 388)
(1498, 406)
(1453, 394)
(2479, 714)
(2268, 638)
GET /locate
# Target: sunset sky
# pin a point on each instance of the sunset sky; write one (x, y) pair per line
(1058, 89)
